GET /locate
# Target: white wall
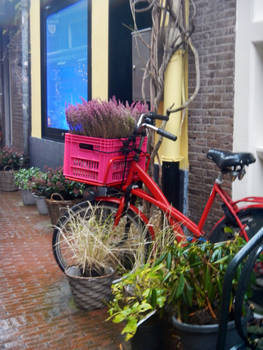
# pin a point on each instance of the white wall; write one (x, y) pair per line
(248, 116)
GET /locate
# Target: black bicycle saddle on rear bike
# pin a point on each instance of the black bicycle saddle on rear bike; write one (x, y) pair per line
(225, 159)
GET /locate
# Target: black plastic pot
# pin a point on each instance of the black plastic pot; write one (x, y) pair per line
(150, 335)
(196, 337)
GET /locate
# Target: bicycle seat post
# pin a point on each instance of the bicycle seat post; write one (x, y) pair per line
(219, 180)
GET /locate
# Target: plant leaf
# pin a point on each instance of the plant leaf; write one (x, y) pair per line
(180, 288)
(169, 260)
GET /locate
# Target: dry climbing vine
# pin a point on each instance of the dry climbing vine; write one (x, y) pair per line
(171, 31)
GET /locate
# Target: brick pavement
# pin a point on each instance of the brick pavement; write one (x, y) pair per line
(36, 307)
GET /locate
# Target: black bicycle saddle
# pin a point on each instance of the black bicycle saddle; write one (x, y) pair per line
(225, 159)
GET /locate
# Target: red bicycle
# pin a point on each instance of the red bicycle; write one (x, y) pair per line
(122, 208)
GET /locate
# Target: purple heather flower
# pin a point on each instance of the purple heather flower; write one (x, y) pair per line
(107, 119)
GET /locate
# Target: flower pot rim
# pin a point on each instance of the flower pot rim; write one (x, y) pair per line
(38, 196)
(111, 273)
(199, 328)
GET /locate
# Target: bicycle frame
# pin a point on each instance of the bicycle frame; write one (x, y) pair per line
(175, 218)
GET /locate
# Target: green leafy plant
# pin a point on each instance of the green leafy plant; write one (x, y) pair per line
(38, 184)
(106, 119)
(57, 183)
(136, 296)
(185, 279)
(53, 181)
(10, 159)
(24, 176)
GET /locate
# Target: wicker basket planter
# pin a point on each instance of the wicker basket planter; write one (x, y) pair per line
(90, 293)
(7, 181)
(57, 206)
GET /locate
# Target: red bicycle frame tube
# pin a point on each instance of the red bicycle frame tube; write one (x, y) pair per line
(175, 218)
(233, 208)
(157, 198)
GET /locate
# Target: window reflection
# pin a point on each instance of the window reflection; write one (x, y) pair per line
(67, 60)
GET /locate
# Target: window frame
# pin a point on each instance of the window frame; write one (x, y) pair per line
(53, 7)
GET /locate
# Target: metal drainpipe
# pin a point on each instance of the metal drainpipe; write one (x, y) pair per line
(25, 73)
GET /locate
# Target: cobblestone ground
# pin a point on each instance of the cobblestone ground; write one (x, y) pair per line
(36, 307)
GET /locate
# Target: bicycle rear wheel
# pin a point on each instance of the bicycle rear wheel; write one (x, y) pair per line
(130, 233)
(252, 218)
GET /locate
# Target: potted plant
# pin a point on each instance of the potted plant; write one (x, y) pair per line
(185, 281)
(10, 161)
(22, 179)
(38, 186)
(54, 193)
(99, 130)
(93, 257)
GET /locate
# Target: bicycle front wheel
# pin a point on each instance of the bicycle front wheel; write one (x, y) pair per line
(252, 218)
(130, 233)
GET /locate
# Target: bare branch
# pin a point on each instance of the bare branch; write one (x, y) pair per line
(167, 37)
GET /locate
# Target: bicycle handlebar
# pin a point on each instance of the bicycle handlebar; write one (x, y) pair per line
(162, 132)
(154, 116)
(147, 118)
(166, 134)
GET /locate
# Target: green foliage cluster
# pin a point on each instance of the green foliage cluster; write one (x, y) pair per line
(53, 181)
(10, 159)
(23, 177)
(186, 279)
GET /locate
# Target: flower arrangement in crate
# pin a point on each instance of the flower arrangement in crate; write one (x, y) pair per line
(104, 119)
(10, 161)
(98, 130)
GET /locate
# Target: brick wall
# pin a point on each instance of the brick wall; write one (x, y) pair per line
(211, 114)
(1, 91)
(15, 62)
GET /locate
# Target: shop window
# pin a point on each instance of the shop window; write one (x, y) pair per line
(65, 62)
(120, 47)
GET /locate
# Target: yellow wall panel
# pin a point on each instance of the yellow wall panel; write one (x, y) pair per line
(99, 48)
(35, 68)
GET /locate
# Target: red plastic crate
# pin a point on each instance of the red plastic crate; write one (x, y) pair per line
(92, 160)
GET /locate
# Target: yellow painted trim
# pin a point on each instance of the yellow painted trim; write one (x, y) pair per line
(171, 151)
(99, 48)
(35, 68)
(184, 164)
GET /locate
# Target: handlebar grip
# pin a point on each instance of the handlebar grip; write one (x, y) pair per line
(153, 116)
(166, 134)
